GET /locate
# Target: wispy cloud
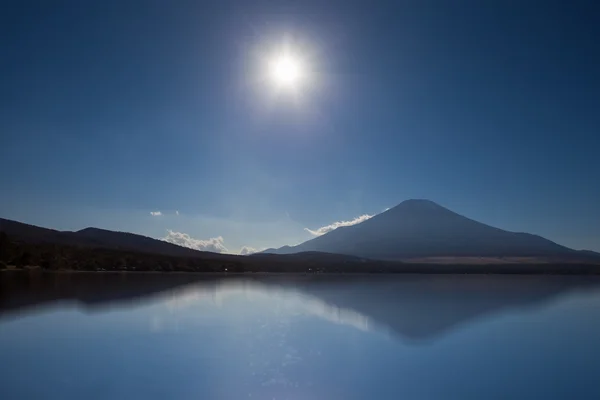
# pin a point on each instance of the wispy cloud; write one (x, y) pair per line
(216, 245)
(176, 212)
(155, 213)
(247, 250)
(328, 228)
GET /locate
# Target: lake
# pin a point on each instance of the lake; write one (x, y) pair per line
(178, 336)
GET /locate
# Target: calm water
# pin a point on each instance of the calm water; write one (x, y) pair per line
(410, 337)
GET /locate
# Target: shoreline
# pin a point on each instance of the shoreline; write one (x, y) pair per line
(420, 269)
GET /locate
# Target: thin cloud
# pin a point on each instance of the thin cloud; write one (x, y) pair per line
(328, 228)
(155, 213)
(215, 245)
(176, 212)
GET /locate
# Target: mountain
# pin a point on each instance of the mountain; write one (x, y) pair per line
(421, 229)
(94, 238)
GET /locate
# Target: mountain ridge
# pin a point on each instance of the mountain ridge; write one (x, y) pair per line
(422, 228)
(94, 238)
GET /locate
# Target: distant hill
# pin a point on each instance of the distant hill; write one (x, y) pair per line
(424, 229)
(94, 238)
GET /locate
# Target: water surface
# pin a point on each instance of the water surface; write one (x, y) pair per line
(158, 336)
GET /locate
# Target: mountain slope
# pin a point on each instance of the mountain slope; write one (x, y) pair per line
(422, 228)
(94, 238)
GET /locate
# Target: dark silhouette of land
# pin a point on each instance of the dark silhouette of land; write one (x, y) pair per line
(415, 236)
(415, 307)
(93, 238)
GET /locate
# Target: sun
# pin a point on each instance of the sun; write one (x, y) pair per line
(286, 70)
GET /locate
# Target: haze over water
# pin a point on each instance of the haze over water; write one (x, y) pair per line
(451, 337)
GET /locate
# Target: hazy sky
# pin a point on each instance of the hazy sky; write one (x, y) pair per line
(113, 110)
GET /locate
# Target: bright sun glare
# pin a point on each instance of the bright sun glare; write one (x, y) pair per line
(286, 71)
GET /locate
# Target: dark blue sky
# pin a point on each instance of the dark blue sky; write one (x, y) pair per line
(113, 109)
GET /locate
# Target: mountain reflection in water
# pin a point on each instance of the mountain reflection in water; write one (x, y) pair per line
(413, 307)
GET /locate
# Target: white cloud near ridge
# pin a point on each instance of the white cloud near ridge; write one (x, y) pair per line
(247, 250)
(155, 213)
(215, 245)
(328, 228)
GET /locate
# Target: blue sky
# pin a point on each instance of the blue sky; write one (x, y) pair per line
(113, 110)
